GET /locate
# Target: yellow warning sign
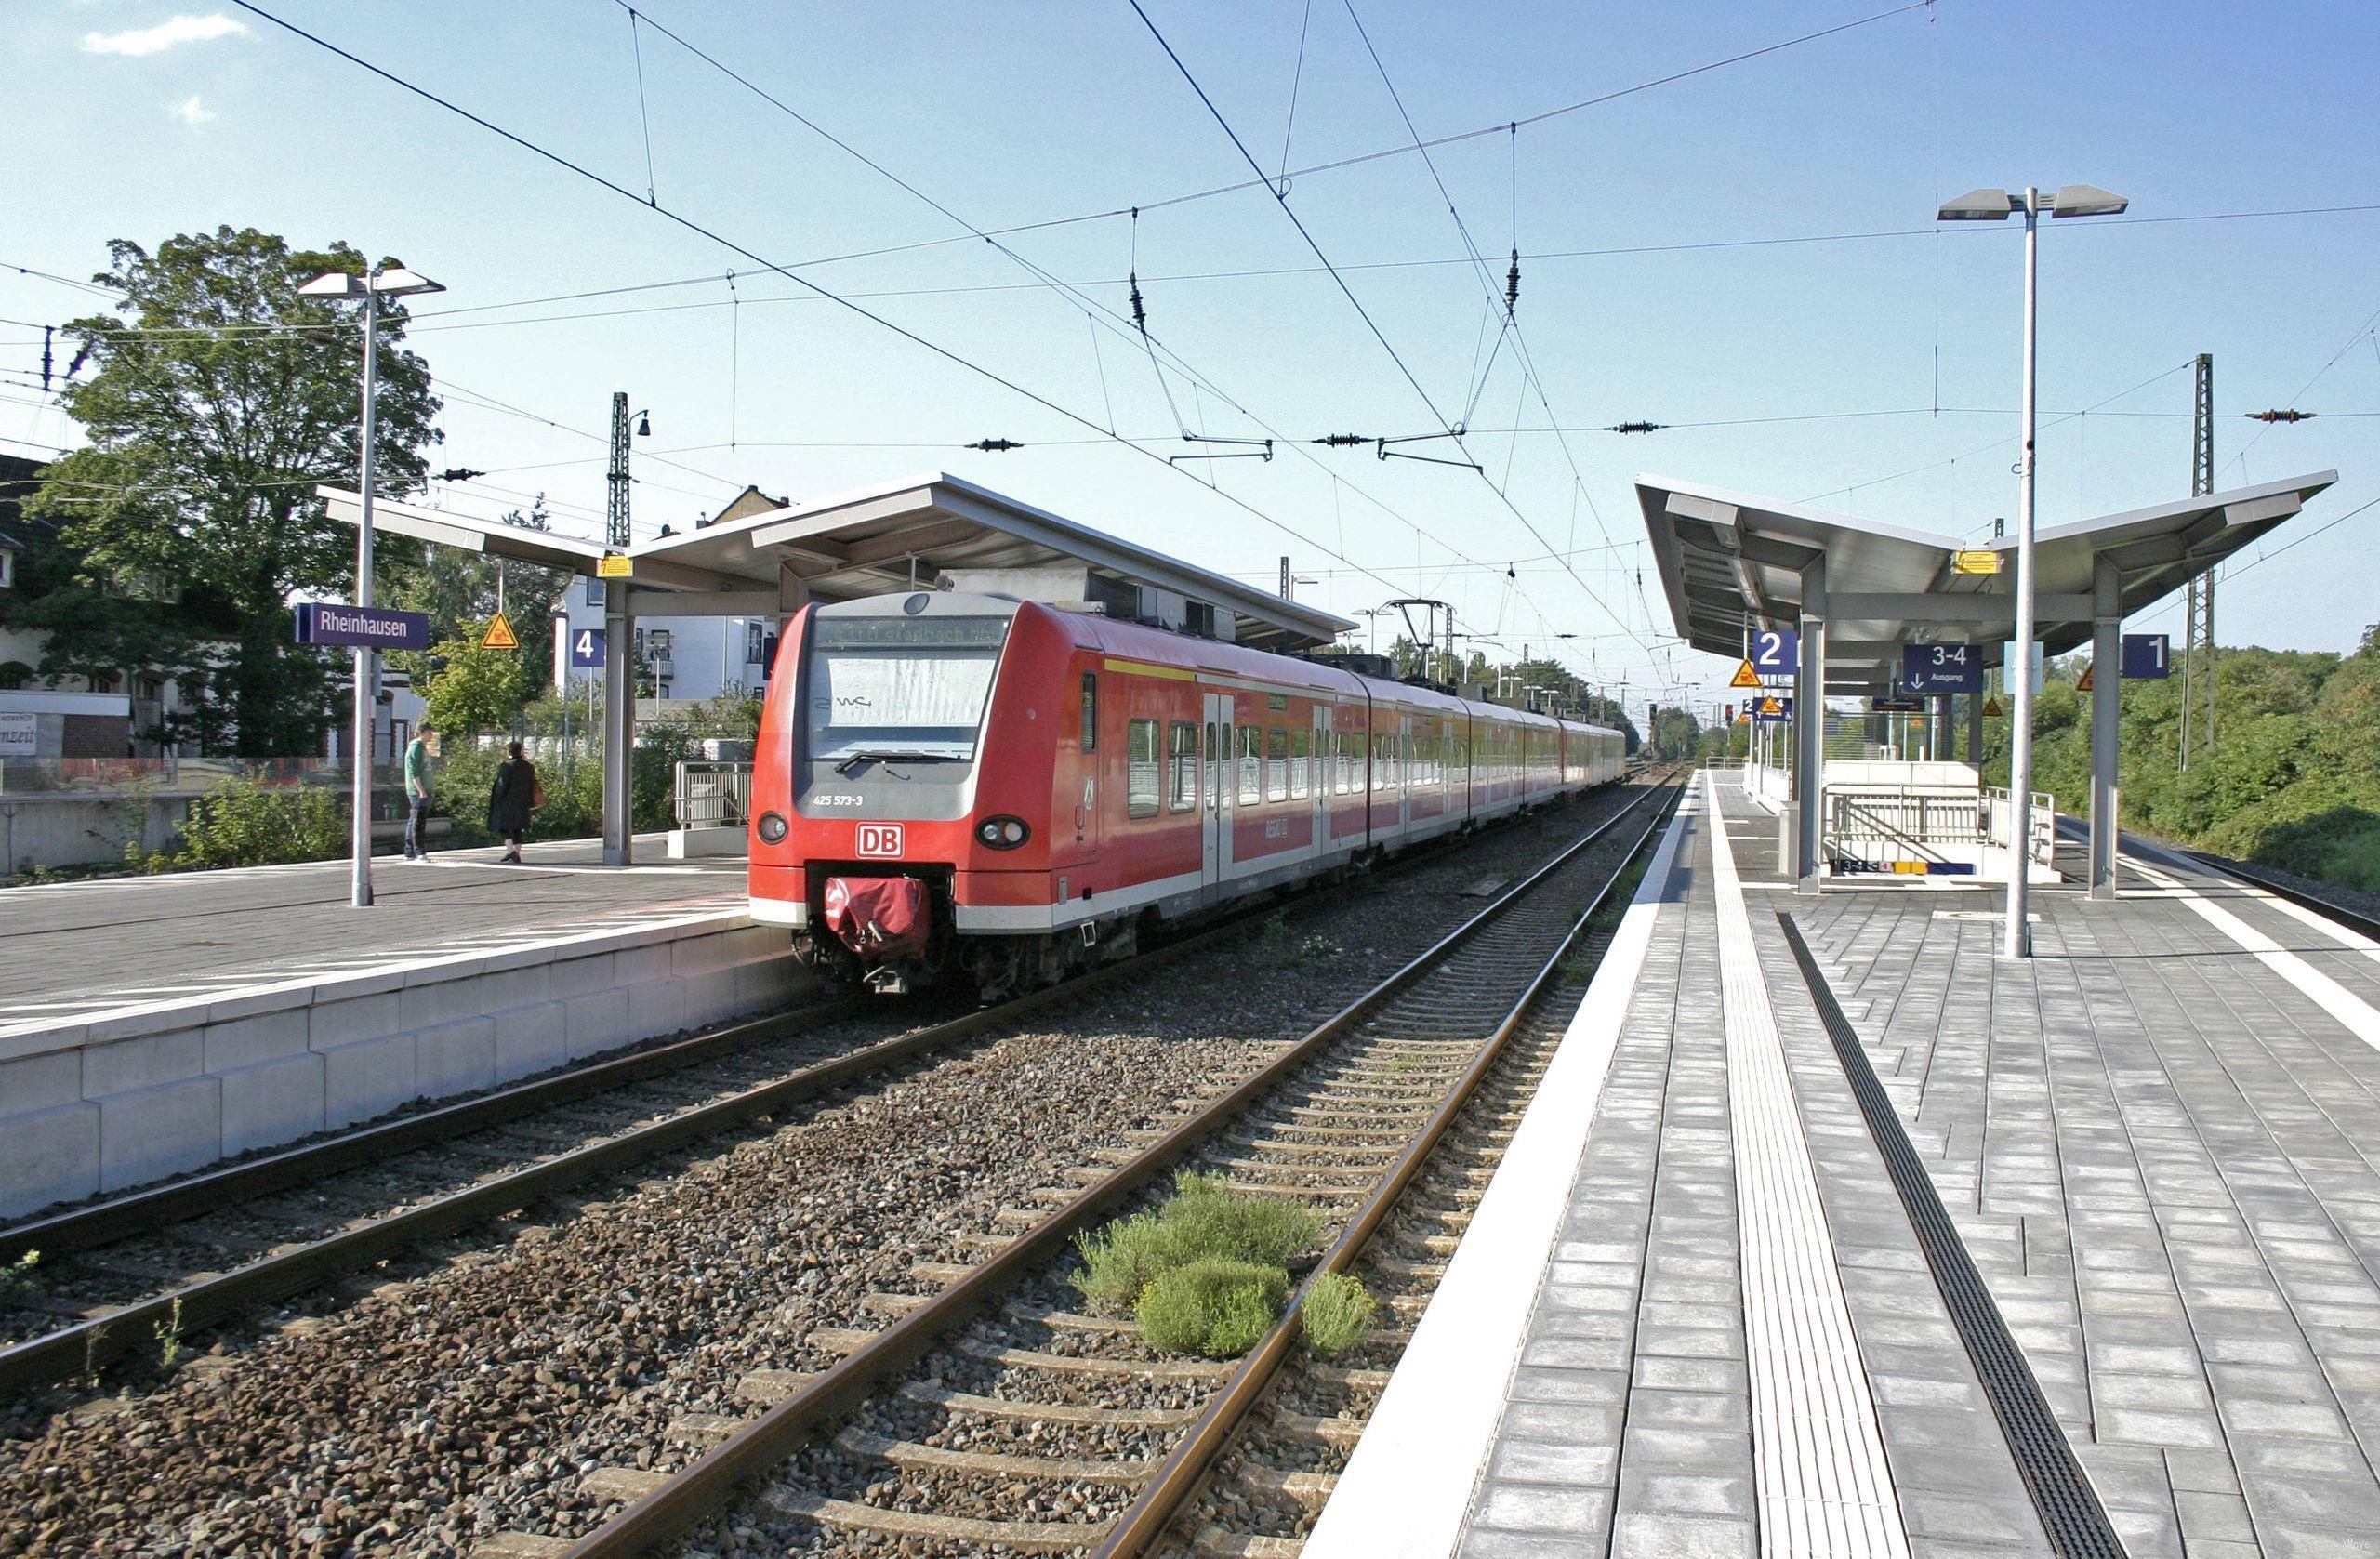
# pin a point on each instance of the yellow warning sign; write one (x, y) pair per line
(1991, 709)
(1980, 561)
(1745, 675)
(611, 565)
(1771, 706)
(2084, 685)
(500, 635)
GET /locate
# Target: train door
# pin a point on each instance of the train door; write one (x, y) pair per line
(1318, 770)
(1401, 765)
(1215, 818)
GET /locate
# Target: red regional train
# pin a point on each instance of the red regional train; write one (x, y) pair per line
(1019, 790)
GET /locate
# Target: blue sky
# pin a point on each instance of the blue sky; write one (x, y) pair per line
(131, 119)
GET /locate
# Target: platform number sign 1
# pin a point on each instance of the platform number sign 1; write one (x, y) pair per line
(2147, 656)
(1775, 651)
(587, 648)
(1938, 669)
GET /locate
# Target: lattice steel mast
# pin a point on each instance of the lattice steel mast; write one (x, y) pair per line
(2198, 629)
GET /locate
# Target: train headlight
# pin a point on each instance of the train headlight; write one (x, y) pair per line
(1002, 832)
(773, 828)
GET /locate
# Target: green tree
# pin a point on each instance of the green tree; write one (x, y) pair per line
(460, 590)
(473, 688)
(220, 397)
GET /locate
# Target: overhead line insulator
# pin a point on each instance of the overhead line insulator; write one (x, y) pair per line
(993, 447)
(1513, 285)
(1635, 427)
(1342, 441)
(2291, 415)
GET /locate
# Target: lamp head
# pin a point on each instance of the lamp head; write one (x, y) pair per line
(338, 283)
(644, 425)
(1977, 205)
(394, 281)
(2083, 200)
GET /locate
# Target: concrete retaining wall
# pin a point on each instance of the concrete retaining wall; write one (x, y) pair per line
(141, 1094)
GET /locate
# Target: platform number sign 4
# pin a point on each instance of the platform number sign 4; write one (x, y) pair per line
(1775, 651)
(878, 839)
(587, 648)
(1937, 668)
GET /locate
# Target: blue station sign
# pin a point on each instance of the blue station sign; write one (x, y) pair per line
(1775, 651)
(587, 649)
(2147, 656)
(1940, 668)
(369, 628)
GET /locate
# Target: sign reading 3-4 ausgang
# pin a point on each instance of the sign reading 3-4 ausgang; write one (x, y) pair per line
(372, 628)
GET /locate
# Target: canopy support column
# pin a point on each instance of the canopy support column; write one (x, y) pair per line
(1810, 733)
(2107, 683)
(619, 721)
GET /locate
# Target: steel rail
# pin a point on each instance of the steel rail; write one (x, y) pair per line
(2354, 919)
(136, 1212)
(1145, 1521)
(704, 1486)
(74, 1350)
(80, 1348)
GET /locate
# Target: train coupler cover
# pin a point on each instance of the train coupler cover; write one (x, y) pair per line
(882, 918)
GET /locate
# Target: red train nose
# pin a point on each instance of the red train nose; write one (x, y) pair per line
(882, 918)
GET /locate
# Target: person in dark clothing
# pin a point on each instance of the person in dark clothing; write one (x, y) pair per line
(508, 803)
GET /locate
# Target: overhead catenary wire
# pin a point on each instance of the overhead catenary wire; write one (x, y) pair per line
(1093, 306)
(1348, 292)
(705, 232)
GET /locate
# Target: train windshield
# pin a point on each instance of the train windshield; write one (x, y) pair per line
(891, 688)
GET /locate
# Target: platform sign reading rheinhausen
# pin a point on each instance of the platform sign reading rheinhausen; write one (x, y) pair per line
(1938, 669)
(370, 628)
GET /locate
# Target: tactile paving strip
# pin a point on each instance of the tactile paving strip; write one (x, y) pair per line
(1819, 1471)
(2071, 1510)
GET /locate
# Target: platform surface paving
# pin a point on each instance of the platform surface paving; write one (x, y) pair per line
(2155, 1143)
(70, 950)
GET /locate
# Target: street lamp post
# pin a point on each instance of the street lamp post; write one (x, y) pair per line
(1994, 206)
(392, 280)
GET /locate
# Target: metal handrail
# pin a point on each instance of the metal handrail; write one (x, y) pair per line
(712, 794)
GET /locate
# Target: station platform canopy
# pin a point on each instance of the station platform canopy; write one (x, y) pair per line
(917, 534)
(1730, 562)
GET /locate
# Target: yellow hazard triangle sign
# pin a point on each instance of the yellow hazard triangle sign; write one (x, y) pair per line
(500, 635)
(1991, 709)
(1745, 675)
(2084, 685)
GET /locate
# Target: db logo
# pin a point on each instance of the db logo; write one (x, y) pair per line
(879, 839)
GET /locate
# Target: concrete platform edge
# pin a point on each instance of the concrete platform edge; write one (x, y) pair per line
(1407, 1489)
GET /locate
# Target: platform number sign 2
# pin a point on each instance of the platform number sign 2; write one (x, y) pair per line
(1775, 651)
(587, 648)
(1937, 668)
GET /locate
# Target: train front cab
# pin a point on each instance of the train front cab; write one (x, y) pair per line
(893, 780)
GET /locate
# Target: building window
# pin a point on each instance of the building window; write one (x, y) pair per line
(149, 690)
(106, 681)
(1182, 756)
(14, 674)
(756, 638)
(1090, 712)
(1140, 768)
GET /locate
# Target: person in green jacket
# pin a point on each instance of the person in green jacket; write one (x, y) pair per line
(419, 754)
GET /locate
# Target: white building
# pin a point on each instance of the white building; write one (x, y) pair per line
(688, 659)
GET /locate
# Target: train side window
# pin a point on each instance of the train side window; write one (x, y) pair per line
(1090, 712)
(1214, 766)
(1140, 768)
(1182, 756)
(1252, 764)
(1277, 763)
(1301, 761)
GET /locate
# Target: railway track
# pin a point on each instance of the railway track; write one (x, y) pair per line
(116, 1276)
(2274, 883)
(983, 1412)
